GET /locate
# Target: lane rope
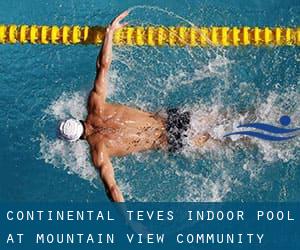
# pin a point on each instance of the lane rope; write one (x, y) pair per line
(152, 35)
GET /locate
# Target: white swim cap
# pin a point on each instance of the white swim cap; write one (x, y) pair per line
(70, 130)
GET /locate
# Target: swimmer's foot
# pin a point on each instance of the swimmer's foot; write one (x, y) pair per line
(200, 140)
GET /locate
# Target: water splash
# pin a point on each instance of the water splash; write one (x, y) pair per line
(192, 185)
(74, 158)
(209, 83)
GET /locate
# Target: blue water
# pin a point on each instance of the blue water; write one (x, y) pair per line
(42, 84)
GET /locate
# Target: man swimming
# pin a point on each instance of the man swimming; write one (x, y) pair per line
(118, 130)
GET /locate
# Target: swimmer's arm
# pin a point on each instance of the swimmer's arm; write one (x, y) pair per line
(105, 56)
(103, 164)
(102, 65)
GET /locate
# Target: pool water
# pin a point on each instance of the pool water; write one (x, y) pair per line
(43, 84)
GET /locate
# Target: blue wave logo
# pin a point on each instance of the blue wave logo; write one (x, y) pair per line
(279, 133)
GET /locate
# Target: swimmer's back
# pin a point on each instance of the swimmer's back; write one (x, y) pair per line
(126, 130)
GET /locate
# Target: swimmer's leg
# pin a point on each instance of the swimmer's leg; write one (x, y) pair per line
(200, 140)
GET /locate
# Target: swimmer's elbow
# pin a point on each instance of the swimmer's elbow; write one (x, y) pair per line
(105, 63)
(98, 163)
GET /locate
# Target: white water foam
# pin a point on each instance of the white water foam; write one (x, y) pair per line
(72, 157)
(218, 120)
(75, 159)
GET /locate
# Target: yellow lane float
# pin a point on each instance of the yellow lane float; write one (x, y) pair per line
(152, 35)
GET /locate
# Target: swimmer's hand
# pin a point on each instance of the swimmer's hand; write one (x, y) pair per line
(115, 24)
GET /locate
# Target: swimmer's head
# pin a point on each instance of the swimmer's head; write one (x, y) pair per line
(70, 129)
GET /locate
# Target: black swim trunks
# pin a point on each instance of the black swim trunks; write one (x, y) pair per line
(177, 125)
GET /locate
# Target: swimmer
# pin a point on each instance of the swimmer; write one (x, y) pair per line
(114, 130)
